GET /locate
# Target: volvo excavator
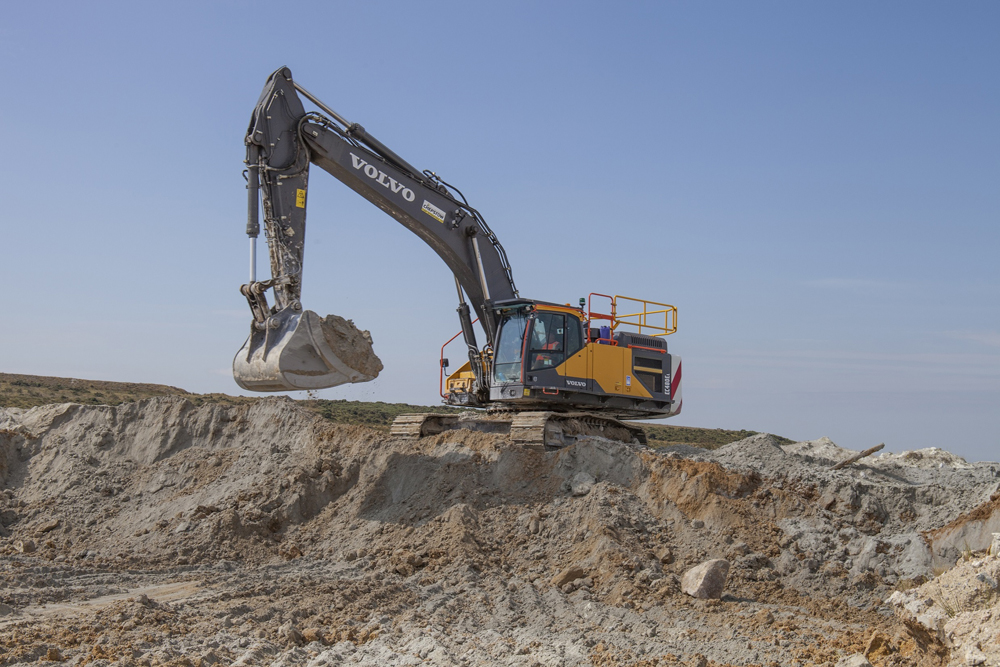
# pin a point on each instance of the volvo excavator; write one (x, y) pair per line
(548, 373)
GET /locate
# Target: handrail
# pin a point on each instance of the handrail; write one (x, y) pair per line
(591, 315)
(441, 363)
(641, 319)
(647, 318)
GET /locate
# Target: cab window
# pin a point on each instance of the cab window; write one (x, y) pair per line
(507, 365)
(548, 341)
(574, 335)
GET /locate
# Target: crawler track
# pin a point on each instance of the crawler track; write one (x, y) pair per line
(532, 430)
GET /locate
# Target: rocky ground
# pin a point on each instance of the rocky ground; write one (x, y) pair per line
(162, 532)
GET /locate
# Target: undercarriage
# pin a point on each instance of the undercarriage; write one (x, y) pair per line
(532, 430)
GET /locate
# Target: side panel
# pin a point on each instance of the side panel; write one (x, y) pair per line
(652, 368)
(612, 371)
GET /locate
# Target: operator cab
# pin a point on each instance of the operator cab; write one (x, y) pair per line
(534, 339)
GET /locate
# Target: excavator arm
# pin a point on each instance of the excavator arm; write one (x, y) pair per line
(284, 350)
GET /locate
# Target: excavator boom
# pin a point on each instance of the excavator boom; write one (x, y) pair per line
(285, 349)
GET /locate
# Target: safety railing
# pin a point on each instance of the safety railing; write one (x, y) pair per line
(610, 316)
(650, 317)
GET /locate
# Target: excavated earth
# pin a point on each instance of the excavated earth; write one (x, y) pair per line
(160, 533)
(351, 346)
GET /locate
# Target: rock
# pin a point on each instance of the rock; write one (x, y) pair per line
(568, 576)
(764, 617)
(697, 523)
(581, 484)
(48, 526)
(974, 656)
(856, 660)
(995, 546)
(310, 635)
(26, 546)
(6, 609)
(54, 655)
(706, 581)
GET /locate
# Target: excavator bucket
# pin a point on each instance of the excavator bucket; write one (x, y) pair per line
(305, 351)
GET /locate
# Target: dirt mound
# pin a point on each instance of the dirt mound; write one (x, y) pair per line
(264, 534)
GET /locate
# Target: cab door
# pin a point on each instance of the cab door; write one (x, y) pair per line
(577, 371)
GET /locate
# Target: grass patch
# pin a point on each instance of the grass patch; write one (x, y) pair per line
(27, 391)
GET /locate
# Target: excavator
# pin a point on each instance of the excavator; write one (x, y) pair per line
(548, 374)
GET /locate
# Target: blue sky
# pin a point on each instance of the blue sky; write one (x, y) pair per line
(814, 186)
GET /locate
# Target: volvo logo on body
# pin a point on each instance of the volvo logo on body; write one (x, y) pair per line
(382, 178)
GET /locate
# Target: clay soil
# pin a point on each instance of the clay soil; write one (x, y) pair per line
(161, 532)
